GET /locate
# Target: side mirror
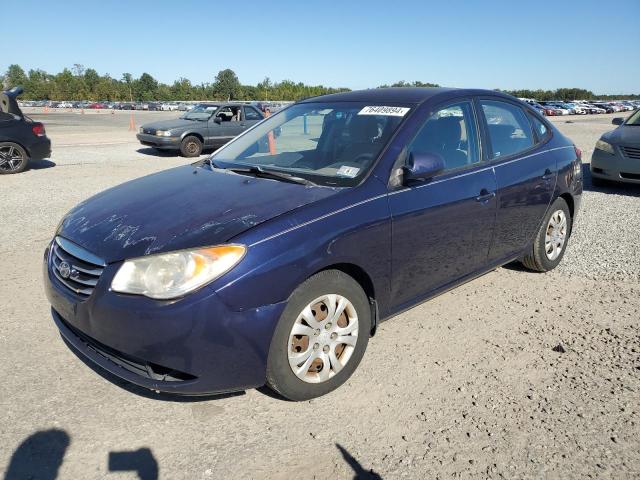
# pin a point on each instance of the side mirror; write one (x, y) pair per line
(618, 121)
(422, 166)
(218, 120)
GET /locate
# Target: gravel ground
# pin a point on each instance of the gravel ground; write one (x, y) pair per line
(513, 375)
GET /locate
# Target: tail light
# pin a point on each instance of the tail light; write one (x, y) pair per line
(38, 130)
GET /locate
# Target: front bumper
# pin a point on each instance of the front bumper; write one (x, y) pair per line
(169, 143)
(616, 168)
(195, 345)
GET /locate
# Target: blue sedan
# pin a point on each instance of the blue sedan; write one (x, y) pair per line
(273, 261)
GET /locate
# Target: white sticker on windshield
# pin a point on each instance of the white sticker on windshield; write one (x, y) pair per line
(345, 171)
(389, 111)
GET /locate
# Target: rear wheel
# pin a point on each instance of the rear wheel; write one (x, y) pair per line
(13, 158)
(191, 146)
(321, 337)
(551, 241)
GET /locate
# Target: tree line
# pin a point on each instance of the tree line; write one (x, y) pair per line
(80, 83)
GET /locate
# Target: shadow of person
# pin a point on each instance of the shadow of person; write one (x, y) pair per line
(140, 461)
(359, 472)
(39, 456)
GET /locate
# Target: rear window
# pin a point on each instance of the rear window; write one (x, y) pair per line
(540, 129)
(509, 129)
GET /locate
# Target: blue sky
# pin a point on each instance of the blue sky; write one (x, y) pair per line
(355, 44)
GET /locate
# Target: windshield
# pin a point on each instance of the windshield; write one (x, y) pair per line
(200, 112)
(327, 143)
(634, 119)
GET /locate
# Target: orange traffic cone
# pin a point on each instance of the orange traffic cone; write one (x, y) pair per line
(132, 123)
(271, 139)
(46, 109)
(82, 111)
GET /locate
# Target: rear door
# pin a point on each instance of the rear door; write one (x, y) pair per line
(442, 228)
(525, 174)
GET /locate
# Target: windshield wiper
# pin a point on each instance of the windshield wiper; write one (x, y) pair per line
(260, 172)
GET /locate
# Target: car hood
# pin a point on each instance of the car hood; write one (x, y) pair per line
(184, 207)
(173, 124)
(624, 135)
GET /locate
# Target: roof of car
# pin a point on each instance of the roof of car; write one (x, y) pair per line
(413, 95)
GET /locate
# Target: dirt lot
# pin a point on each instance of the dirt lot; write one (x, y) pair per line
(465, 386)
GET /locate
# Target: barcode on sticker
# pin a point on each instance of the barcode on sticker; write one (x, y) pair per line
(379, 110)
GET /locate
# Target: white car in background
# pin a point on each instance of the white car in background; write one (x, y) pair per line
(169, 107)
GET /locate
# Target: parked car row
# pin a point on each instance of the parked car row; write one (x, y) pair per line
(581, 107)
(150, 106)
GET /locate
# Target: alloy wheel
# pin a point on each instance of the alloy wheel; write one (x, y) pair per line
(10, 158)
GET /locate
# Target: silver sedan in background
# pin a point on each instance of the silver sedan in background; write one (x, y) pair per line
(616, 157)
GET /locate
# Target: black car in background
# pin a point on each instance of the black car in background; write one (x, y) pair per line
(21, 138)
(206, 125)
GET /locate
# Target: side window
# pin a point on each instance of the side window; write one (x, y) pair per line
(541, 130)
(451, 133)
(509, 129)
(229, 114)
(251, 114)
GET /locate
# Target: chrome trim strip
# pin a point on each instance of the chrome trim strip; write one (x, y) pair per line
(326, 215)
(79, 252)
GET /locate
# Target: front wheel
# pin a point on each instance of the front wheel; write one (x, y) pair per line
(551, 241)
(13, 158)
(320, 338)
(191, 146)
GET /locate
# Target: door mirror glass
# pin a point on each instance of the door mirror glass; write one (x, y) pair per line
(618, 121)
(218, 120)
(422, 166)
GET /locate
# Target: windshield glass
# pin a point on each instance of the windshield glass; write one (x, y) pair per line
(327, 143)
(634, 119)
(200, 112)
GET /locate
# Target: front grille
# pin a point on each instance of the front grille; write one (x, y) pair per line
(149, 131)
(631, 152)
(74, 267)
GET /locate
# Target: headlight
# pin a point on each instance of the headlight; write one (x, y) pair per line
(605, 147)
(170, 275)
(163, 133)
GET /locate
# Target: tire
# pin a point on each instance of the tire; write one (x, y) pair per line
(540, 259)
(191, 146)
(318, 378)
(13, 158)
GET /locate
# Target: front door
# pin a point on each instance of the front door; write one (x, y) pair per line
(225, 125)
(442, 228)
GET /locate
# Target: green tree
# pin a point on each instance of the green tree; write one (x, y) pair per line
(15, 76)
(226, 85)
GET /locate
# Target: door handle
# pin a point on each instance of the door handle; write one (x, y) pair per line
(547, 174)
(485, 195)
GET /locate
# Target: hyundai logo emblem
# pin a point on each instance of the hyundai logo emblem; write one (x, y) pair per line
(65, 269)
